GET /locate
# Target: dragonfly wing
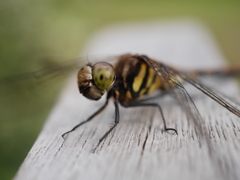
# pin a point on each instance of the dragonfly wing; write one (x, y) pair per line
(221, 99)
(49, 70)
(181, 95)
(170, 79)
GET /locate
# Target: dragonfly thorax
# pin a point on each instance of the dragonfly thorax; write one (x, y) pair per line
(93, 81)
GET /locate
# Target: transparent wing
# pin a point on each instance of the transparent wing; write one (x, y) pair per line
(172, 75)
(50, 69)
(221, 99)
(173, 78)
(53, 69)
(170, 80)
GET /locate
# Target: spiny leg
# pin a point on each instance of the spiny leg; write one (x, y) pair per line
(137, 104)
(115, 124)
(90, 118)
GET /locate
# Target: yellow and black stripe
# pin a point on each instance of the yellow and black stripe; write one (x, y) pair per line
(135, 78)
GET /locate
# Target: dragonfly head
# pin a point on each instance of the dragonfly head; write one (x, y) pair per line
(94, 81)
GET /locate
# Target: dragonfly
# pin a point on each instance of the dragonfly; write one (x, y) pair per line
(132, 81)
(134, 77)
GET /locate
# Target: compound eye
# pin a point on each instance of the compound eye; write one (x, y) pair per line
(103, 75)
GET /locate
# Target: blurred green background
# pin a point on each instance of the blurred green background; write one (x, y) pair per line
(33, 30)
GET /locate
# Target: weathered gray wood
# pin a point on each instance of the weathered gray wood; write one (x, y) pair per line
(138, 148)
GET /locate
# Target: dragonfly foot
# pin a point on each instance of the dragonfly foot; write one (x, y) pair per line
(64, 134)
(171, 129)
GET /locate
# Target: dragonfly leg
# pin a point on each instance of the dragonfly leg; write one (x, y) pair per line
(90, 118)
(137, 104)
(115, 124)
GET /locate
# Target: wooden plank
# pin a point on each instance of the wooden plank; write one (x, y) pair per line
(138, 148)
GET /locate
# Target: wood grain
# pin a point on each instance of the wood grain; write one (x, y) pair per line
(139, 148)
